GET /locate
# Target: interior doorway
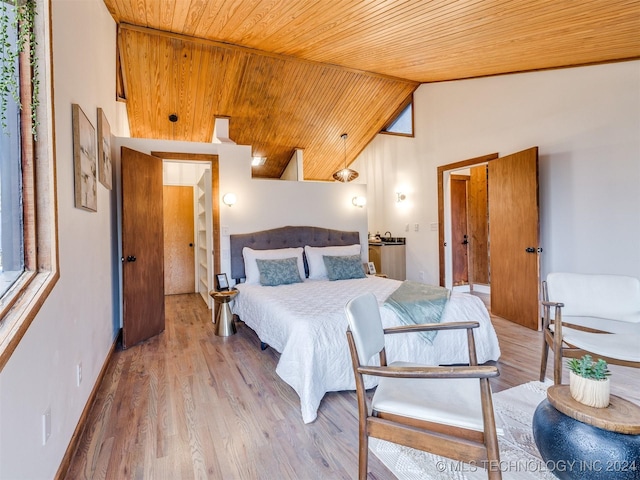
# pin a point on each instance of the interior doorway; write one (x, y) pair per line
(464, 225)
(469, 220)
(512, 257)
(188, 247)
(207, 217)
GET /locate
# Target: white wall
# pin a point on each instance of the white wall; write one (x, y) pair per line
(77, 321)
(586, 123)
(183, 173)
(294, 170)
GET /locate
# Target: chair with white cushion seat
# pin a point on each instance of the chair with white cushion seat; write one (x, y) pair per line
(590, 314)
(446, 411)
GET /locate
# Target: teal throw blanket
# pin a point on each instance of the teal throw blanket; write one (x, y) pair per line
(416, 303)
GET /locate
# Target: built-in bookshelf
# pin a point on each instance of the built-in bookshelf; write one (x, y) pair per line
(204, 258)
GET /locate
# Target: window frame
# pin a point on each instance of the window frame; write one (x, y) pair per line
(22, 301)
(396, 114)
(12, 244)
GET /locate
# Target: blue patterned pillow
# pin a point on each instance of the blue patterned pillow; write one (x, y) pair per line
(343, 267)
(278, 272)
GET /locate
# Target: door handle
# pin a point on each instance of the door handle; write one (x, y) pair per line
(465, 241)
(530, 250)
(191, 244)
(131, 258)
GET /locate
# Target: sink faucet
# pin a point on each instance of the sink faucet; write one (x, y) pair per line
(385, 234)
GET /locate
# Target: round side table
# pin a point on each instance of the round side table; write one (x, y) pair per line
(586, 443)
(225, 325)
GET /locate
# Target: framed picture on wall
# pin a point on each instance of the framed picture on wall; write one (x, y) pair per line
(84, 161)
(372, 268)
(105, 174)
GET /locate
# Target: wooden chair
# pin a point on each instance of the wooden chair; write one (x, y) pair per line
(590, 314)
(446, 411)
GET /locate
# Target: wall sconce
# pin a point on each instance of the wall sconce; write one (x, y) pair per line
(401, 197)
(229, 199)
(359, 201)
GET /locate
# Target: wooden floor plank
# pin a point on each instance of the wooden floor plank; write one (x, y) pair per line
(189, 404)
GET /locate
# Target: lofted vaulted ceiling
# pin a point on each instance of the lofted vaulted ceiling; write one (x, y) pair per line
(298, 73)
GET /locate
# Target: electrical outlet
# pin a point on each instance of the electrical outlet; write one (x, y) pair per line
(46, 426)
(416, 227)
(421, 275)
(406, 228)
(225, 231)
(79, 374)
(434, 227)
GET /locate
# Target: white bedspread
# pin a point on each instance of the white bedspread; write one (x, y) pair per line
(306, 323)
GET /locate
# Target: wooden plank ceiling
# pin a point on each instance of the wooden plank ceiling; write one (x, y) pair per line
(299, 73)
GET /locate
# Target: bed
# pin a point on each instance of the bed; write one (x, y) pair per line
(305, 322)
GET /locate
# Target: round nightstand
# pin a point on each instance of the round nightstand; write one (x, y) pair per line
(225, 325)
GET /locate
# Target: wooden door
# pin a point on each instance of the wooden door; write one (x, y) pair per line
(179, 257)
(513, 237)
(478, 226)
(142, 247)
(459, 233)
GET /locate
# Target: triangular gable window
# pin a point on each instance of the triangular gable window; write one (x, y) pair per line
(403, 123)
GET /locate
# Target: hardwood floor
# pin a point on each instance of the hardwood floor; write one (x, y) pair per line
(188, 404)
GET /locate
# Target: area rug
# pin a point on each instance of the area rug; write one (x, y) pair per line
(519, 457)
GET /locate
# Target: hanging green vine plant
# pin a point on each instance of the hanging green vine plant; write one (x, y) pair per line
(17, 16)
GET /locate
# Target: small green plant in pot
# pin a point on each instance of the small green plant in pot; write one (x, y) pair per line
(589, 381)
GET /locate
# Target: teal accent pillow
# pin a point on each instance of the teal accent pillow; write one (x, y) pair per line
(343, 267)
(278, 272)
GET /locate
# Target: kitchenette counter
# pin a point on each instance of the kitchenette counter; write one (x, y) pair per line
(389, 256)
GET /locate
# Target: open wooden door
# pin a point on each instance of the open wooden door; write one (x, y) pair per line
(514, 237)
(142, 247)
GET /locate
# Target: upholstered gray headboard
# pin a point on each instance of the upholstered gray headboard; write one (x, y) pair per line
(285, 237)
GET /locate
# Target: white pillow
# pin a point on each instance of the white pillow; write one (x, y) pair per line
(317, 269)
(251, 272)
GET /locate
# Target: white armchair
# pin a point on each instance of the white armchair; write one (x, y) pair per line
(595, 314)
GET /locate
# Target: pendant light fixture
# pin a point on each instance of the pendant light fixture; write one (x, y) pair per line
(345, 174)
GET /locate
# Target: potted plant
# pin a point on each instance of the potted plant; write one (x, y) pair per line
(589, 381)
